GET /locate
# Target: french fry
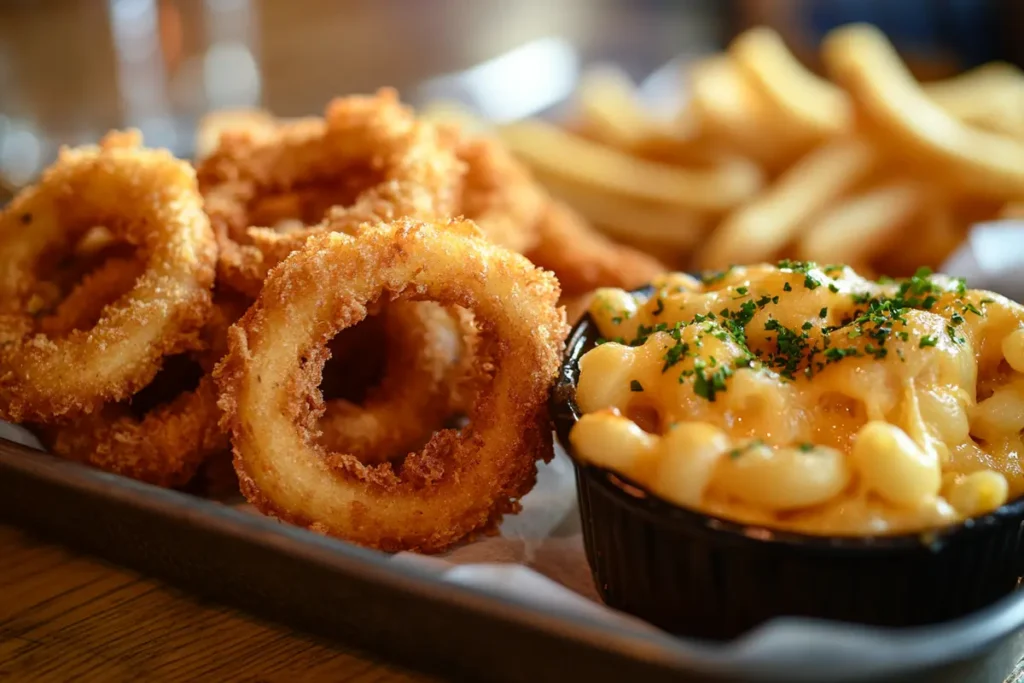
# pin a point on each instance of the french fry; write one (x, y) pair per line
(809, 103)
(732, 113)
(757, 231)
(863, 224)
(609, 108)
(873, 169)
(553, 151)
(990, 96)
(863, 60)
(631, 220)
(927, 241)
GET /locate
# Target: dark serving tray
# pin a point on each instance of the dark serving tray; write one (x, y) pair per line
(408, 614)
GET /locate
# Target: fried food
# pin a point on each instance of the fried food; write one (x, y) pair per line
(460, 483)
(384, 162)
(583, 259)
(764, 226)
(84, 304)
(429, 349)
(166, 432)
(838, 158)
(900, 112)
(499, 194)
(813, 106)
(144, 197)
(256, 123)
(726, 184)
(164, 446)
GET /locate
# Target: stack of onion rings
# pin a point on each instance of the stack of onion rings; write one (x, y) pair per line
(460, 483)
(310, 226)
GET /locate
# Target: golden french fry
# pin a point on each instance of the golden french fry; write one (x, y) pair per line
(553, 151)
(450, 112)
(729, 109)
(607, 101)
(928, 241)
(810, 103)
(990, 96)
(653, 225)
(757, 231)
(863, 60)
(862, 224)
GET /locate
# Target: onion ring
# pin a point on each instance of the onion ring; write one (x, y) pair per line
(168, 444)
(460, 483)
(583, 259)
(84, 304)
(407, 167)
(144, 197)
(499, 194)
(165, 447)
(427, 352)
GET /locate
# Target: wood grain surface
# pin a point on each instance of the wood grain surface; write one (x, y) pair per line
(66, 617)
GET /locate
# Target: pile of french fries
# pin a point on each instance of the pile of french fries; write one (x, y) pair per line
(768, 160)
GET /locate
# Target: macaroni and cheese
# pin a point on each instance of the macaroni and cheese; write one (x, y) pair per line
(808, 398)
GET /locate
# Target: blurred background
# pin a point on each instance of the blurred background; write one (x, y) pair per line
(72, 69)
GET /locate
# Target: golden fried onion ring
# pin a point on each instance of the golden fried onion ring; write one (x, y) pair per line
(460, 482)
(144, 197)
(168, 444)
(428, 351)
(410, 167)
(165, 447)
(584, 259)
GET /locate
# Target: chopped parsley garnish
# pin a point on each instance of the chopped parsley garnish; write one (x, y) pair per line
(635, 386)
(928, 340)
(742, 291)
(675, 354)
(786, 287)
(715, 277)
(823, 312)
(737, 452)
(708, 385)
(971, 308)
(806, 447)
(659, 308)
(832, 288)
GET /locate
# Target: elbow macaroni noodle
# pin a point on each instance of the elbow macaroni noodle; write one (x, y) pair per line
(808, 398)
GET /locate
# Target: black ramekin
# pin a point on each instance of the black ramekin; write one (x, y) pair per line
(702, 576)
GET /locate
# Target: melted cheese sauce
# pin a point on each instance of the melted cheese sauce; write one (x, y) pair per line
(810, 399)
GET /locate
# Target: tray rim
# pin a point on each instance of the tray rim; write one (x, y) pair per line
(921, 648)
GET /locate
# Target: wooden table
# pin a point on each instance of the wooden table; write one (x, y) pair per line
(68, 617)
